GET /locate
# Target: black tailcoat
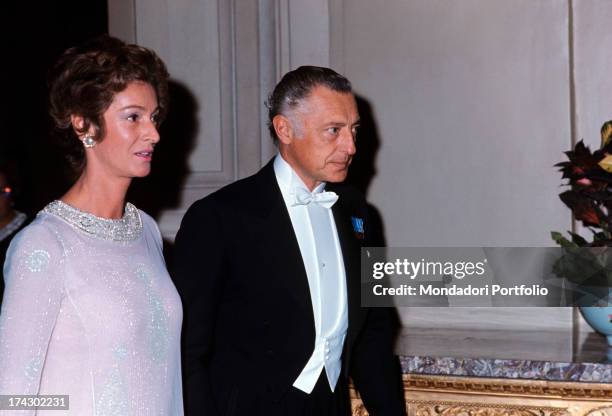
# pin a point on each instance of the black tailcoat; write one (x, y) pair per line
(249, 326)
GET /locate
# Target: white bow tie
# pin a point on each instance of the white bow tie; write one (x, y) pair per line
(324, 199)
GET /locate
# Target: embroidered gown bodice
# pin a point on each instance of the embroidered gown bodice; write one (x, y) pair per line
(90, 311)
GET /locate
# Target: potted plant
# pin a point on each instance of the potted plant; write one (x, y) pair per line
(587, 263)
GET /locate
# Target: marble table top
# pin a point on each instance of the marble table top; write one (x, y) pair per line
(502, 354)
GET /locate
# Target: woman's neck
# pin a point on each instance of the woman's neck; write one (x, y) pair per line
(99, 195)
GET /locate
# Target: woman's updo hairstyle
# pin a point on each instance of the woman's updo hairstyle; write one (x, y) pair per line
(85, 80)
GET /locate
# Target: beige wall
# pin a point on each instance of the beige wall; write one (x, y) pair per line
(474, 101)
(471, 101)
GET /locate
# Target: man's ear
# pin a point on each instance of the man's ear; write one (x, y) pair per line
(283, 128)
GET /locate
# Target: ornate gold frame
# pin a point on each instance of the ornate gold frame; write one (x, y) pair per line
(428, 395)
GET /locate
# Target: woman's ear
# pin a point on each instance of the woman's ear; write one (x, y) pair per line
(78, 125)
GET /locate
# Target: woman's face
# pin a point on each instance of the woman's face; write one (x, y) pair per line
(131, 134)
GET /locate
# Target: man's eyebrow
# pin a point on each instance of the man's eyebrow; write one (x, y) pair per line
(342, 123)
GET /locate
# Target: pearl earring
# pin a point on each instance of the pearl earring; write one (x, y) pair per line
(89, 142)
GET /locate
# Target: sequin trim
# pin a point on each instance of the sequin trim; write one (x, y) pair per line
(38, 260)
(128, 228)
(33, 368)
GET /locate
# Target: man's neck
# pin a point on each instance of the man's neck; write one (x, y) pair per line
(308, 182)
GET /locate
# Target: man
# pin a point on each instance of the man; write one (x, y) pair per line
(268, 269)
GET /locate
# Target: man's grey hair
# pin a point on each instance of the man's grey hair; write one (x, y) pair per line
(297, 85)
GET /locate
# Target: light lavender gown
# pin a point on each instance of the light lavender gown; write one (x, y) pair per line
(90, 311)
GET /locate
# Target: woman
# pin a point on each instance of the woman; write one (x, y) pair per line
(89, 309)
(11, 220)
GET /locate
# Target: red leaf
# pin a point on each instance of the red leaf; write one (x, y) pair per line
(584, 209)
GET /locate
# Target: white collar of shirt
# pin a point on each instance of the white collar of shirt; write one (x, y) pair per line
(288, 180)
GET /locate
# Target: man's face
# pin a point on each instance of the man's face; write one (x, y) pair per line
(321, 142)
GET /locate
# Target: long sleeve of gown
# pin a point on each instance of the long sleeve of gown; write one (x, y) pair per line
(34, 289)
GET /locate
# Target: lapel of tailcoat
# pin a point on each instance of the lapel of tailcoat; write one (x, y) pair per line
(290, 271)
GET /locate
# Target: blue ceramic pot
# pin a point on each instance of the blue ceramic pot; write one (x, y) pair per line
(595, 303)
(600, 319)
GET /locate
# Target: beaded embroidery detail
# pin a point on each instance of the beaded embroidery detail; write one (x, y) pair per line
(127, 228)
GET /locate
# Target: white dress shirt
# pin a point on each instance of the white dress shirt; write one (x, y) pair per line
(317, 237)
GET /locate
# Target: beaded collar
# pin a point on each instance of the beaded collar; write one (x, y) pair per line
(127, 228)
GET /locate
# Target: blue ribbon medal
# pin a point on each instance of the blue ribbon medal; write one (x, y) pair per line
(358, 227)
